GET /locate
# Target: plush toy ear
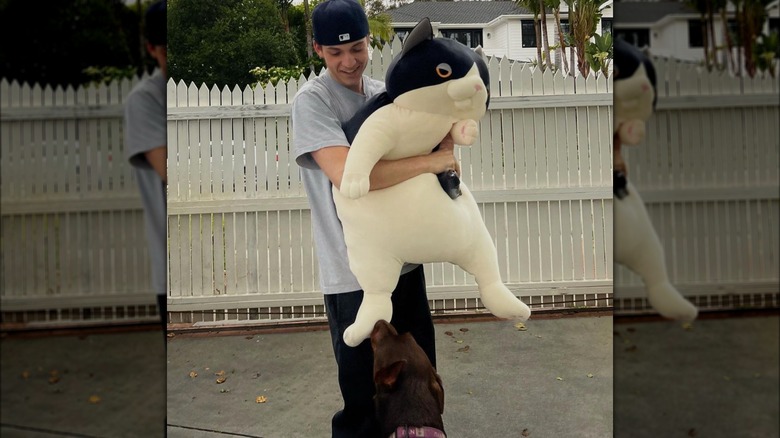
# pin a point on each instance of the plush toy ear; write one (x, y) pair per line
(387, 376)
(423, 31)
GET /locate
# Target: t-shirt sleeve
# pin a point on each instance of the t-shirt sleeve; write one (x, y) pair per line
(314, 126)
(145, 127)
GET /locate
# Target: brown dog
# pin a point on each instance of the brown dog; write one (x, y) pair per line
(409, 394)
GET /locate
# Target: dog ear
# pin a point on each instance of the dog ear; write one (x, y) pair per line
(387, 376)
(437, 388)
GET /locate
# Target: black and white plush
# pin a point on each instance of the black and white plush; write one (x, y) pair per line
(434, 86)
(636, 243)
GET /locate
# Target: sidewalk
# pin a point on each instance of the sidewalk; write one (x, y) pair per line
(88, 384)
(498, 381)
(718, 379)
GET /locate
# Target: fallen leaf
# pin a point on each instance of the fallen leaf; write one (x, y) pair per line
(464, 330)
(249, 337)
(538, 336)
(255, 375)
(559, 378)
(261, 399)
(193, 374)
(448, 333)
(54, 379)
(220, 373)
(459, 341)
(687, 326)
(464, 349)
(520, 326)
(224, 390)
(170, 335)
(94, 399)
(25, 374)
(525, 432)
(54, 373)
(221, 380)
(590, 375)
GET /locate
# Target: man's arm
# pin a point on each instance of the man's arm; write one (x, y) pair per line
(158, 158)
(388, 173)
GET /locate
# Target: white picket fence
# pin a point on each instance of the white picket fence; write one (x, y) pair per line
(708, 172)
(73, 244)
(240, 227)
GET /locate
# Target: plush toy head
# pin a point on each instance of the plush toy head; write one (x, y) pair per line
(635, 96)
(427, 66)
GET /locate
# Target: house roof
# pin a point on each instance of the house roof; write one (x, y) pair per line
(462, 12)
(626, 13)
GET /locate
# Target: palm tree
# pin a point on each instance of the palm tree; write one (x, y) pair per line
(533, 7)
(379, 23)
(704, 8)
(544, 32)
(555, 5)
(583, 19)
(728, 58)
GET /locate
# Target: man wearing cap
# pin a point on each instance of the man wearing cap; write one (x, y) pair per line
(146, 145)
(320, 146)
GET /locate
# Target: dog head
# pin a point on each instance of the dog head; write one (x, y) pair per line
(400, 363)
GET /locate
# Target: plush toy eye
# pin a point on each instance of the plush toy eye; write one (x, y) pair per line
(444, 70)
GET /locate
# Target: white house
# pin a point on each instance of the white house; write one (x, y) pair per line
(502, 28)
(673, 28)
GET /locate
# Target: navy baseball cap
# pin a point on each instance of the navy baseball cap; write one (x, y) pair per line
(338, 22)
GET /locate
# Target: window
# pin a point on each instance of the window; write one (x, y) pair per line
(528, 33)
(637, 37)
(733, 28)
(469, 37)
(565, 28)
(695, 33)
(774, 25)
(606, 25)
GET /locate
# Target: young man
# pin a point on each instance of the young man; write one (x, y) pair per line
(146, 146)
(320, 146)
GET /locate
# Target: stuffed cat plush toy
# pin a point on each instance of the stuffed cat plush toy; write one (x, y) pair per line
(637, 246)
(434, 86)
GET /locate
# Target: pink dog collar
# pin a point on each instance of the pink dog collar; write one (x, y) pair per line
(417, 432)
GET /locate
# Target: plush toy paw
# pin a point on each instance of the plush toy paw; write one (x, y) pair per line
(465, 132)
(632, 132)
(667, 301)
(373, 308)
(354, 185)
(502, 303)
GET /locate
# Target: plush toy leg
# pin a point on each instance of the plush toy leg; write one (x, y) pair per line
(375, 306)
(638, 248)
(378, 276)
(482, 262)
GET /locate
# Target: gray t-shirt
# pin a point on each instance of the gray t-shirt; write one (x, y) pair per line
(318, 110)
(145, 129)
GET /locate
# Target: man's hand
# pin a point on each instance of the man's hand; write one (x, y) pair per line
(444, 158)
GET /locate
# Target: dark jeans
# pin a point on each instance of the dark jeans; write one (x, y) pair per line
(162, 307)
(356, 365)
